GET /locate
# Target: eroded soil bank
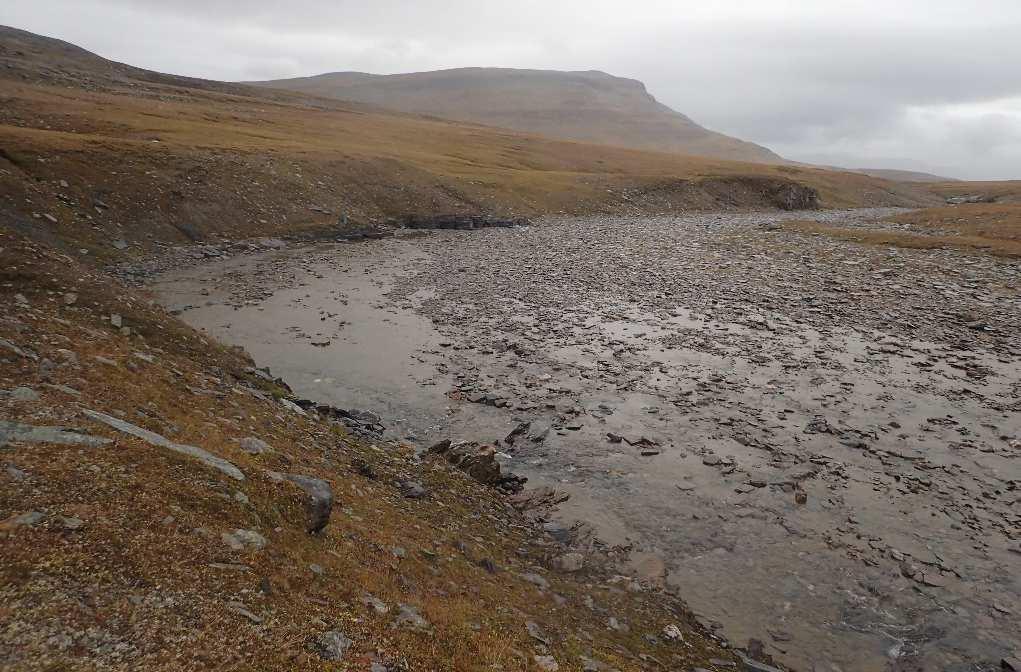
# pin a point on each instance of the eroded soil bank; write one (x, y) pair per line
(817, 443)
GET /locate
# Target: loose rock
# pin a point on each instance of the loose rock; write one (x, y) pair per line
(319, 503)
(332, 645)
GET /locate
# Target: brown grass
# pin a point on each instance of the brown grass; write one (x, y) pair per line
(990, 229)
(1008, 191)
(991, 221)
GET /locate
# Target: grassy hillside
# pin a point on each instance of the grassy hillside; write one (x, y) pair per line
(172, 164)
(94, 154)
(980, 227)
(1007, 191)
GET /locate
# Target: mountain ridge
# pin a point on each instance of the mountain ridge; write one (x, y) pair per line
(580, 105)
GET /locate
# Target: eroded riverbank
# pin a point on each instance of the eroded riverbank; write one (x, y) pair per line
(816, 443)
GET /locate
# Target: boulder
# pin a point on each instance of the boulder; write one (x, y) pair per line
(538, 498)
(254, 446)
(546, 663)
(570, 562)
(319, 503)
(16, 431)
(332, 645)
(26, 519)
(244, 540)
(520, 430)
(24, 394)
(20, 352)
(480, 463)
(413, 490)
(408, 616)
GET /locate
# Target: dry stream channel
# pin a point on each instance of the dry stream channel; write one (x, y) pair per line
(816, 443)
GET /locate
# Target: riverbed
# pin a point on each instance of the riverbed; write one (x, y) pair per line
(816, 443)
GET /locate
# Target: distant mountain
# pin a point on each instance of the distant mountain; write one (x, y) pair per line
(904, 175)
(588, 106)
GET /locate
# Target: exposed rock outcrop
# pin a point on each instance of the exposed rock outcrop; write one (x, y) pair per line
(155, 439)
(480, 463)
(461, 222)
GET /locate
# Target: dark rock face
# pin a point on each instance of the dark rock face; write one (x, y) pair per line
(757, 191)
(364, 422)
(793, 196)
(319, 503)
(460, 222)
(480, 463)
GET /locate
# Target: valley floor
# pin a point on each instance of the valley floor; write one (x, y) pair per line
(815, 441)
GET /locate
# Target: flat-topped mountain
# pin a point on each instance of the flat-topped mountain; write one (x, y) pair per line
(588, 106)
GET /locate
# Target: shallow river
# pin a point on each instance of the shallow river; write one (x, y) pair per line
(817, 444)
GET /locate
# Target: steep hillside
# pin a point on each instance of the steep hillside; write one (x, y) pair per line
(587, 106)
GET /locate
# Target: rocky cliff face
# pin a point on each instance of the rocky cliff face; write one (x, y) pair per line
(589, 106)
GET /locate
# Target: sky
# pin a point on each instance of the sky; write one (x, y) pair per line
(929, 85)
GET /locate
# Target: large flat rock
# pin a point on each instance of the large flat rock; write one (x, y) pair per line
(155, 439)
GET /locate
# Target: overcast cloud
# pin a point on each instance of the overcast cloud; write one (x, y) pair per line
(918, 84)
